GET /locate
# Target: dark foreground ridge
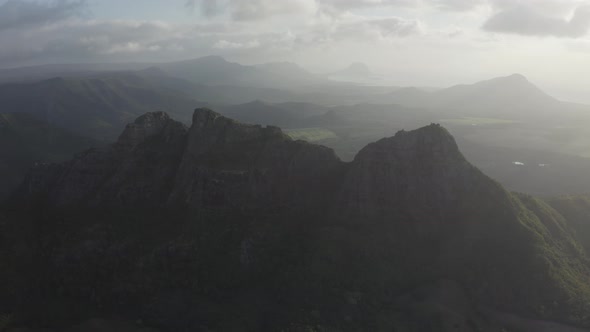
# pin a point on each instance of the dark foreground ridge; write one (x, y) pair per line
(225, 226)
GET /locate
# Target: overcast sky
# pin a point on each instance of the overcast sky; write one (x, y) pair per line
(414, 42)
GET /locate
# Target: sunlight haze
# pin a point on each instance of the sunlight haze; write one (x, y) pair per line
(408, 42)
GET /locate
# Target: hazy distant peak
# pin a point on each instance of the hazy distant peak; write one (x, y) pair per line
(257, 102)
(517, 76)
(285, 68)
(215, 70)
(152, 71)
(355, 69)
(513, 79)
(212, 58)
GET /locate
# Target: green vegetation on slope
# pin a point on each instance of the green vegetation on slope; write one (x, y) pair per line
(576, 210)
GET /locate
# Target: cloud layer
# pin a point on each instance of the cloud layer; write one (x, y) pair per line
(15, 14)
(63, 30)
(528, 20)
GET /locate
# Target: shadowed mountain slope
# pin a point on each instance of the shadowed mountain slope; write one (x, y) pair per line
(187, 227)
(25, 140)
(93, 106)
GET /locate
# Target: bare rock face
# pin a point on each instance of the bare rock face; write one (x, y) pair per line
(217, 163)
(246, 167)
(144, 127)
(418, 175)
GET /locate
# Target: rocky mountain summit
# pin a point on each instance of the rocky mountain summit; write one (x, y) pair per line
(225, 226)
(217, 162)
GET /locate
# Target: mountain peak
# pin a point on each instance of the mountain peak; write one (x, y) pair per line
(517, 76)
(209, 60)
(355, 69)
(514, 80)
(152, 119)
(432, 141)
(147, 126)
(257, 102)
(211, 126)
(206, 118)
(212, 58)
(431, 129)
(502, 95)
(422, 168)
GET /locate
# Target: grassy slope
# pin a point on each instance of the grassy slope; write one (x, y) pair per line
(576, 210)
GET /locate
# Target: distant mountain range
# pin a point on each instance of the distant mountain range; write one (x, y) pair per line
(209, 70)
(507, 114)
(96, 106)
(215, 70)
(356, 70)
(512, 96)
(234, 83)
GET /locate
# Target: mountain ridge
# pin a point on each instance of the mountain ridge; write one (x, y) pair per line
(249, 205)
(354, 70)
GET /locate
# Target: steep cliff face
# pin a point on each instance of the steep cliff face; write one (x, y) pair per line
(231, 220)
(232, 165)
(217, 163)
(417, 175)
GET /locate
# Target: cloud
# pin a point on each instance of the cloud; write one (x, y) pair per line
(79, 40)
(369, 30)
(207, 7)
(268, 29)
(16, 14)
(252, 10)
(225, 45)
(59, 34)
(530, 20)
(345, 5)
(458, 5)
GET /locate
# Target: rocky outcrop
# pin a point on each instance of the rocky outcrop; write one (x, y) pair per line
(230, 164)
(147, 126)
(218, 162)
(419, 174)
